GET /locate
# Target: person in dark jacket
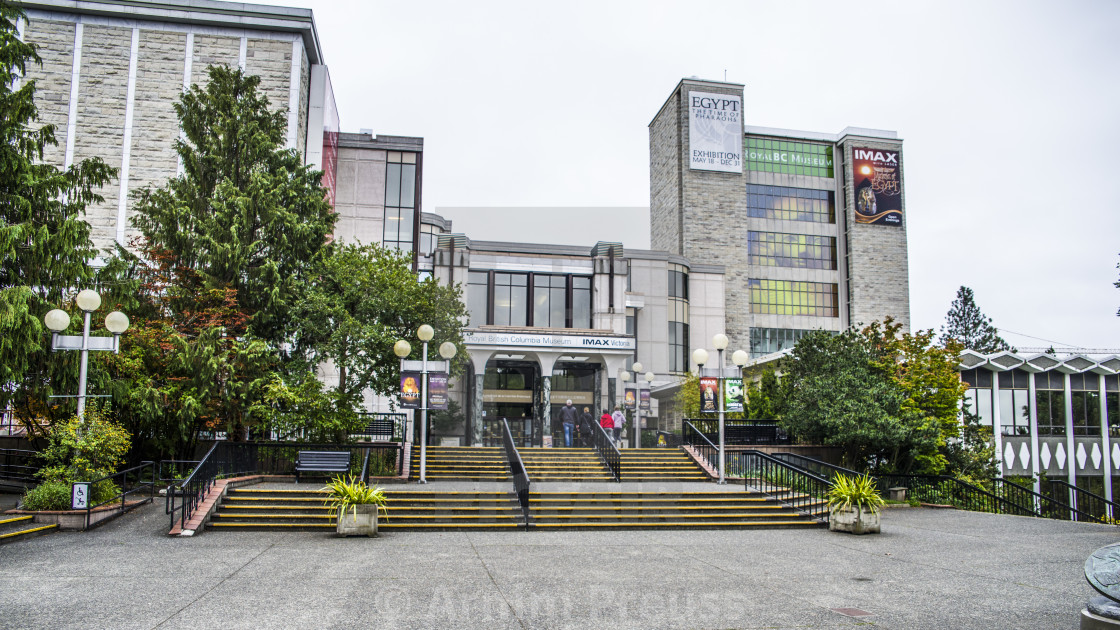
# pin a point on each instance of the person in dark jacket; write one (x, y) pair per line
(585, 426)
(568, 417)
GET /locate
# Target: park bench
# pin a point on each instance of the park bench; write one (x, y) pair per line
(378, 428)
(322, 462)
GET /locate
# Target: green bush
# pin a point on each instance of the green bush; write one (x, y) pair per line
(49, 495)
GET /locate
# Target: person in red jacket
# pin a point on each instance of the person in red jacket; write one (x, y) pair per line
(607, 422)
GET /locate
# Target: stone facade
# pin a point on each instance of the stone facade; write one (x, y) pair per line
(131, 72)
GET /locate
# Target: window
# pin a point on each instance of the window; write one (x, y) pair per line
(429, 237)
(678, 282)
(979, 394)
(1014, 403)
(478, 297)
(786, 297)
(791, 204)
(1050, 403)
(550, 294)
(511, 299)
(400, 200)
(581, 302)
(678, 335)
(1086, 400)
(767, 340)
(793, 158)
(800, 251)
(1112, 403)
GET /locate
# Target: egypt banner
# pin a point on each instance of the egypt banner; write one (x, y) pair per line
(878, 186)
(629, 399)
(733, 394)
(410, 390)
(437, 390)
(709, 389)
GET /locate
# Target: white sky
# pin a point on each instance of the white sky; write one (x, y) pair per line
(1008, 111)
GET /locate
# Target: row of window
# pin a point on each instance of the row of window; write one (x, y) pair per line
(799, 251)
(528, 299)
(792, 158)
(791, 204)
(400, 200)
(768, 340)
(1049, 400)
(787, 297)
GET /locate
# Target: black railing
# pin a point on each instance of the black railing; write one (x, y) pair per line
(1084, 502)
(129, 481)
(517, 471)
(18, 466)
(741, 432)
(175, 469)
(607, 450)
(388, 427)
(365, 467)
(224, 459)
(815, 466)
(799, 489)
(701, 444)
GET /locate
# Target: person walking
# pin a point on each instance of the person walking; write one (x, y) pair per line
(585, 420)
(607, 423)
(568, 417)
(619, 420)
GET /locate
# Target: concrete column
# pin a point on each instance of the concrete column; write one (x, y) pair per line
(1071, 461)
(476, 409)
(997, 423)
(1106, 460)
(612, 392)
(544, 416)
(1032, 405)
(597, 399)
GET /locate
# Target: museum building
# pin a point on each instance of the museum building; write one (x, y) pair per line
(760, 233)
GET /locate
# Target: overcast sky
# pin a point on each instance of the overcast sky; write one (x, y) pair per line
(1008, 111)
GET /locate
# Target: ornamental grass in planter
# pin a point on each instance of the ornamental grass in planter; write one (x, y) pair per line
(354, 506)
(853, 505)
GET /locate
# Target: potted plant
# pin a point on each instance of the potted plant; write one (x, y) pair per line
(354, 506)
(853, 505)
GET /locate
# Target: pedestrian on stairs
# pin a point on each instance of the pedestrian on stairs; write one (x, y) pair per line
(568, 417)
(607, 423)
(619, 421)
(585, 420)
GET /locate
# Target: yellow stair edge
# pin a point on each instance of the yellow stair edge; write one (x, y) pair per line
(677, 524)
(17, 519)
(27, 531)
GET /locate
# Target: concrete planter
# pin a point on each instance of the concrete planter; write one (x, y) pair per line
(856, 521)
(360, 520)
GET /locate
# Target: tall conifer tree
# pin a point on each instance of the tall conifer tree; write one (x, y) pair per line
(970, 327)
(45, 245)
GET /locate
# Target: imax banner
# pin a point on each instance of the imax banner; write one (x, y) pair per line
(878, 181)
(715, 132)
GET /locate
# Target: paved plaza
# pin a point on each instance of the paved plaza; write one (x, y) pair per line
(928, 569)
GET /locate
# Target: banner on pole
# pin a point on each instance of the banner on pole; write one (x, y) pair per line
(709, 388)
(437, 390)
(733, 397)
(410, 390)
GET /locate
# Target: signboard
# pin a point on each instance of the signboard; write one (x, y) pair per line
(410, 390)
(629, 399)
(709, 389)
(79, 495)
(715, 132)
(733, 397)
(507, 395)
(878, 186)
(578, 398)
(644, 400)
(437, 390)
(531, 340)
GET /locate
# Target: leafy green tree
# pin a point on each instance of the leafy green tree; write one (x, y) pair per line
(766, 397)
(969, 326)
(364, 299)
(838, 398)
(45, 246)
(246, 213)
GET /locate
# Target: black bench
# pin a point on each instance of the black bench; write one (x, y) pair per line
(322, 462)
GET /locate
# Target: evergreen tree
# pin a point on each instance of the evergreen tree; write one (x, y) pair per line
(45, 245)
(246, 213)
(970, 327)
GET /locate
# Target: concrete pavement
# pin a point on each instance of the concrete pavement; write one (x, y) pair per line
(929, 569)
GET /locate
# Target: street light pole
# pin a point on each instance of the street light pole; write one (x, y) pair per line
(700, 357)
(447, 350)
(58, 320)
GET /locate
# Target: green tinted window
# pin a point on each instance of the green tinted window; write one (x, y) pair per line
(791, 158)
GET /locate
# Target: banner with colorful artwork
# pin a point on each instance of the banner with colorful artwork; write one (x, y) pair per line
(410, 390)
(733, 395)
(709, 389)
(878, 186)
(437, 390)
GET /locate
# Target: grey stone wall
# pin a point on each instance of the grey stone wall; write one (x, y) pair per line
(878, 263)
(664, 177)
(213, 50)
(52, 79)
(271, 60)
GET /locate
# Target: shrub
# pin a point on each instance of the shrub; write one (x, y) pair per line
(854, 492)
(344, 494)
(49, 495)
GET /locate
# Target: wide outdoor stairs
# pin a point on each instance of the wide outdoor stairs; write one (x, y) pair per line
(304, 510)
(458, 463)
(13, 528)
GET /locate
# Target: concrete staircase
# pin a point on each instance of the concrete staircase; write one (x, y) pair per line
(661, 510)
(564, 464)
(304, 510)
(13, 528)
(660, 464)
(462, 463)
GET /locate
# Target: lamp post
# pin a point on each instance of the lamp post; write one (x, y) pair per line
(58, 320)
(700, 357)
(447, 350)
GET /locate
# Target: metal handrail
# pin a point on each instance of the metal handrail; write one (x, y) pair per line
(1084, 502)
(795, 487)
(743, 432)
(517, 471)
(607, 450)
(691, 436)
(814, 465)
(365, 468)
(123, 475)
(23, 472)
